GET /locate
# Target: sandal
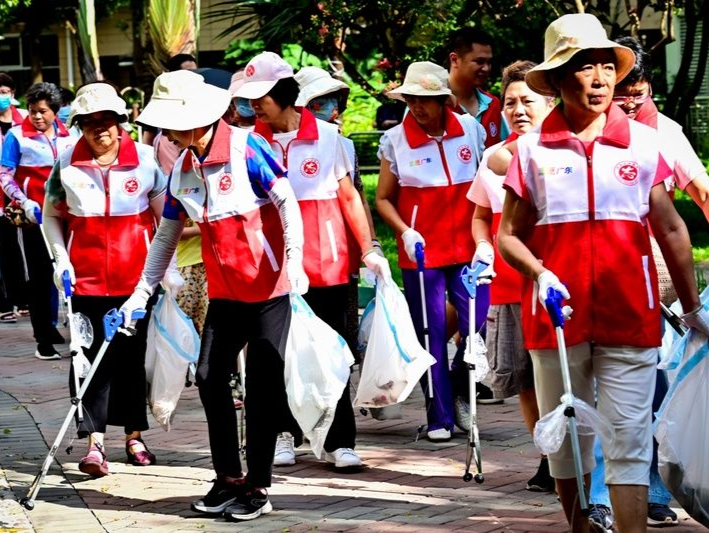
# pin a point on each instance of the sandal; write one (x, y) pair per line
(8, 318)
(94, 462)
(138, 453)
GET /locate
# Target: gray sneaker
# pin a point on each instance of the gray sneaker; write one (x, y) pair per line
(285, 450)
(600, 518)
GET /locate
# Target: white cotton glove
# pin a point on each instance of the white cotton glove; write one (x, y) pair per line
(377, 264)
(377, 247)
(486, 253)
(138, 300)
(29, 207)
(698, 319)
(548, 280)
(410, 238)
(62, 264)
(299, 282)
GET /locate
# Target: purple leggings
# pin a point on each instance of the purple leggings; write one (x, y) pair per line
(447, 384)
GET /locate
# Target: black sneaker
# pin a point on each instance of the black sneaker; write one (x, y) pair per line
(217, 499)
(659, 515)
(248, 506)
(46, 352)
(484, 395)
(542, 480)
(600, 518)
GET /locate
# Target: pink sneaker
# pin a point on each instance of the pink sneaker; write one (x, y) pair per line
(138, 453)
(94, 463)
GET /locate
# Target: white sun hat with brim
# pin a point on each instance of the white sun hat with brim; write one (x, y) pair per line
(315, 82)
(423, 78)
(261, 75)
(567, 36)
(96, 97)
(183, 101)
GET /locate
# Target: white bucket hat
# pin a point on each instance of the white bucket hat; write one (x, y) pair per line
(96, 97)
(315, 82)
(567, 36)
(423, 78)
(261, 74)
(183, 101)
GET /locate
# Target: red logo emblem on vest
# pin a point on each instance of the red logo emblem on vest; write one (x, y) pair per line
(226, 184)
(465, 154)
(627, 172)
(250, 71)
(310, 168)
(130, 186)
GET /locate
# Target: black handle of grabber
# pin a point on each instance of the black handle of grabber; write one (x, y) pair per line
(553, 303)
(419, 256)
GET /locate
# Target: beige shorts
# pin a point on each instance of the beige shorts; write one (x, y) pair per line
(625, 381)
(510, 363)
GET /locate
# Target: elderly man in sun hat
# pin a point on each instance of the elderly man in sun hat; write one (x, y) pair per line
(582, 189)
(427, 166)
(229, 181)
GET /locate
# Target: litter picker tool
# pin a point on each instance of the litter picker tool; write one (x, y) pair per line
(111, 324)
(477, 370)
(674, 320)
(420, 263)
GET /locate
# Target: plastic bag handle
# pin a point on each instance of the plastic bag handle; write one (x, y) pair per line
(66, 280)
(469, 276)
(553, 304)
(419, 256)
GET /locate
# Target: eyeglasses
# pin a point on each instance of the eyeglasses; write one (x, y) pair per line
(636, 100)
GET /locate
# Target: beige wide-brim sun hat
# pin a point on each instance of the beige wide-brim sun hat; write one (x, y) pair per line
(96, 97)
(315, 82)
(423, 78)
(567, 36)
(183, 101)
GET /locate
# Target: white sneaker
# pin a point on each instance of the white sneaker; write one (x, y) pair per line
(462, 414)
(439, 435)
(343, 458)
(285, 451)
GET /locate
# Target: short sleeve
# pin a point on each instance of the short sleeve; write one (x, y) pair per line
(343, 164)
(386, 151)
(11, 151)
(54, 190)
(160, 185)
(262, 166)
(477, 192)
(173, 209)
(514, 180)
(662, 172)
(687, 164)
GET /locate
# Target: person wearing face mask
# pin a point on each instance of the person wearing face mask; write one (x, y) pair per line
(104, 199)
(29, 152)
(510, 363)
(320, 171)
(240, 111)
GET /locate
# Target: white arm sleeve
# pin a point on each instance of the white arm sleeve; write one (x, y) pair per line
(283, 197)
(162, 251)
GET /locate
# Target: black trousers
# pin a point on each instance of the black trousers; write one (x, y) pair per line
(116, 395)
(228, 327)
(330, 305)
(12, 268)
(40, 281)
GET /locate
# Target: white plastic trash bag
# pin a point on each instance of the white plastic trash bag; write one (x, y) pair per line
(682, 430)
(478, 357)
(550, 430)
(173, 343)
(365, 325)
(394, 361)
(317, 369)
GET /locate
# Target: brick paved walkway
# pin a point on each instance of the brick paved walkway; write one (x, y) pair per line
(406, 485)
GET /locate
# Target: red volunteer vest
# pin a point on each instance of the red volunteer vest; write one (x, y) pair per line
(109, 221)
(434, 178)
(242, 234)
(310, 160)
(591, 230)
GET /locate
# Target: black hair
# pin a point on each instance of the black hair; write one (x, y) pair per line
(175, 61)
(7, 81)
(642, 70)
(67, 95)
(47, 92)
(461, 41)
(285, 92)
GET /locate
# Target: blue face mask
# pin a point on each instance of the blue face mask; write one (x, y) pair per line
(323, 107)
(63, 113)
(244, 109)
(5, 101)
